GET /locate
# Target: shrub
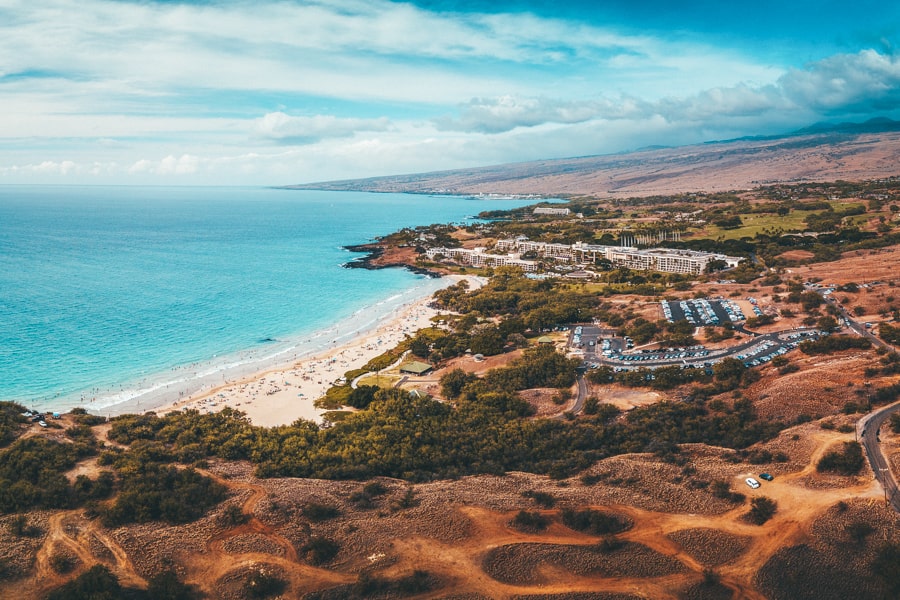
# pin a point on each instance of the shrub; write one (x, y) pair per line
(594, 522)
(887, 566)
(531, 522)
(262, 584)
(62, 563)
(848, 461)
(97, 583)
(319, 550)
(609, 543)
(541, 498)
(168, 586)
(721, 489)
(858, 531)
(365, 498)
(162, 493)
(834, 343)
(761, 510)
(316, 513)
(232, 516)
(19, 527)
(408, 500)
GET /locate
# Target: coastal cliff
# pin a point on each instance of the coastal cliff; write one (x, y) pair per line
(379, 255)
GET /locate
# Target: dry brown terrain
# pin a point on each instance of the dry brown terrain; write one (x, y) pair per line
(461, 534)
(720, 166)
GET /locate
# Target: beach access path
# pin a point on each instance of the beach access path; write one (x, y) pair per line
(282, 395)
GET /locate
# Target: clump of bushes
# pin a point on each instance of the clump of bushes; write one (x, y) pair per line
(316, 513)
(365, 498)
(540, 498)
(594, 522)
(762, 509)
(262, 584)
(319, 550)
(530, 522)
(721, 489)
(847, 461)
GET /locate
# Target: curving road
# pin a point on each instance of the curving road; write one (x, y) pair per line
(868, 429)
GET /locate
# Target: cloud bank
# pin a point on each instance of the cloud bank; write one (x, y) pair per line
(281, 92)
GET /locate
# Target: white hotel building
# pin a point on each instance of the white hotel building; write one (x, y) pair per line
(667, 260)
(477, 257)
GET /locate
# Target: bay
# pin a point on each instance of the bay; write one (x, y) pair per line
(107, 292)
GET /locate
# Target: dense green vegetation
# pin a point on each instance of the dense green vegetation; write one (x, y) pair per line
(847, 461)
(537, 304)
(151, 492)
(10, 419)
(889, 333)
(762, 509)
(834, 343)
(97, 583)
(420, 439)
(31, 474)
(594, 522)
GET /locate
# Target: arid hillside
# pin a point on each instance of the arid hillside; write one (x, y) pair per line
(711, 167)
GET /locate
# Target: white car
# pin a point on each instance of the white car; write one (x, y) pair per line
(752, 483)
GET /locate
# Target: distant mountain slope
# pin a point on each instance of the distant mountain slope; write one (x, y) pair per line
(823, 152)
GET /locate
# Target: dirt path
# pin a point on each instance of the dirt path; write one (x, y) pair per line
(206, 569)
(460, 566)
(798, 507)
(79, 544)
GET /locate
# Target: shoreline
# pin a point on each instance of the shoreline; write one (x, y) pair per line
(280, 393)
(181, 382)
(374, 252)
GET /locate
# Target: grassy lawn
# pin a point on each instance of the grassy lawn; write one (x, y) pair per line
(839, 205)
(753, 224)
(385, 380)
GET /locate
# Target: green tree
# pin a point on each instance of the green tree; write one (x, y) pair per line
(847, 461)
(97, 583)
(168, 586)
(729, 369)
(762, 509)
(453, 382)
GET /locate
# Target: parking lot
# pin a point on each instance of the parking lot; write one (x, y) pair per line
(700, 311)
(601, 347)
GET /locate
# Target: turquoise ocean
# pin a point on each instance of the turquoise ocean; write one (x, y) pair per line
(113, 296)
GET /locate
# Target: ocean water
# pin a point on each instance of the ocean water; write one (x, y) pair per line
(111, 294)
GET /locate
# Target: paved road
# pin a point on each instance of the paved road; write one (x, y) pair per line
(582, 394)
(856, 326)
(579, 399)
(867, 429)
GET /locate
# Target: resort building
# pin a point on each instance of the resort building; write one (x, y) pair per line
(522, 244)
(477, 257)
(667, 260)
(546, 210)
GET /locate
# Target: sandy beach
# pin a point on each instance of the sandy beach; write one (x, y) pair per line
(282, 395)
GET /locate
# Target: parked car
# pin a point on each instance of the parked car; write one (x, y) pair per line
(752, 483)
(766, 476)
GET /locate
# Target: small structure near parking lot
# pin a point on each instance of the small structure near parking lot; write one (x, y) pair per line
(415, 367)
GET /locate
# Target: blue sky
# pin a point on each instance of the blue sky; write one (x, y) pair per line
(271, 93)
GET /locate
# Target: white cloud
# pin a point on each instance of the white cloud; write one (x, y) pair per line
(494, 115)
(284, 128)
(846, 83)
(143, 91)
